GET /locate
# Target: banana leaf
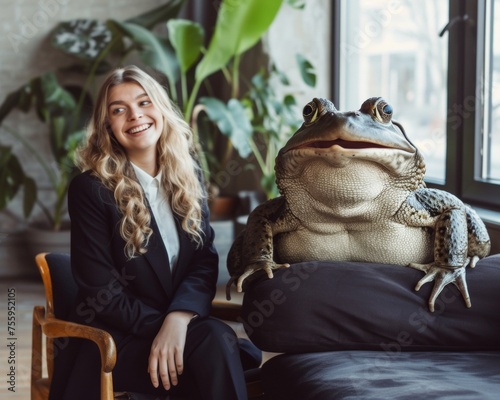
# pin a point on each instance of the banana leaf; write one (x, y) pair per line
(187, 40)
(232, 121)
(240, 24)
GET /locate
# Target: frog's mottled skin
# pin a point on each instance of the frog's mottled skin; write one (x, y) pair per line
(352, 190)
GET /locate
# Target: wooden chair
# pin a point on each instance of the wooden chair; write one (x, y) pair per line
(60, 290)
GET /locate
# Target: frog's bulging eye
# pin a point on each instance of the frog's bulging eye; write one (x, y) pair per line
(382, 111)
(310, 112)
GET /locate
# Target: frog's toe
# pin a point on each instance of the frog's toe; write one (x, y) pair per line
(430, 273)
(421, 267)
(245, 275)
(474, 260)
(461, 283)
(267, 266)
(455, 276)
(442, 277)
(228, 287)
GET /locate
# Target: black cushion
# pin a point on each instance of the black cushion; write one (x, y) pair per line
(64, 287)
(320, 306)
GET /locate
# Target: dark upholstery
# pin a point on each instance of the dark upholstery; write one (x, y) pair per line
(64, 287)
(340, 306)
(383, 375)
(360, 331)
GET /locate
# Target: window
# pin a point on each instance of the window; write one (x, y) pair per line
(438, 64)
(481, 151)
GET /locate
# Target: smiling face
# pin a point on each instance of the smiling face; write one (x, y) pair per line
(348, 157)
(135, 122)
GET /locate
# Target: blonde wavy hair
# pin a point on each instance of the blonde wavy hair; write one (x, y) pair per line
(107, 159)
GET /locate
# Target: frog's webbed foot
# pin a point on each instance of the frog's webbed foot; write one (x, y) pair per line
(442, 277)
(266, 266)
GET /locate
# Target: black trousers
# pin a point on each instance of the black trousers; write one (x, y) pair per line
(212, 367)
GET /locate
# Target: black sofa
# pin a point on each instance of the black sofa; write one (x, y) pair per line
(360, 331)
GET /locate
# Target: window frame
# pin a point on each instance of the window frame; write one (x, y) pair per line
(475, 190)
(464, 111)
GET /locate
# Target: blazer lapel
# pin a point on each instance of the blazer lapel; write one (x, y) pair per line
(158, 258)
(185, 252)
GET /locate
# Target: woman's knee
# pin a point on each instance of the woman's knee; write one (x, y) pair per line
(212, 333)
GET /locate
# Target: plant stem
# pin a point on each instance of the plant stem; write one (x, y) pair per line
(257, 155)
(188, 109)
(236, 78)
(184, 90)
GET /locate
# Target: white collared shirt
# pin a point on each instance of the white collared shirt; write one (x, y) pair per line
(161, 211)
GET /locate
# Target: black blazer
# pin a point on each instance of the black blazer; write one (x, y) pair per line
(132, 296)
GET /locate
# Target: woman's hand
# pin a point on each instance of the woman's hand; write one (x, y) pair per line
(167, 350)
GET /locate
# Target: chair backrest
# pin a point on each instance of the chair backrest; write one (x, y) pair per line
(60, 293)
(60, 286)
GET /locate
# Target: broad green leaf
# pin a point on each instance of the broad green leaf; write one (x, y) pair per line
(11, 175)
(72, 143)
(151, 48)
(307, 70)
(160, 14)
(20, 98)
(73, 140)
(42, 92)
(232, 121)
(187, 40)
(82, 38)
(53, 97)
(240, 24)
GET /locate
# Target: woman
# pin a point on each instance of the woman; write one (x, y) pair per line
(142, 254)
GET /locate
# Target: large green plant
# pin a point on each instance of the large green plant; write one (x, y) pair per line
(55, 106)
(185, 61)
(180, 54)
(97, 46)
(263, 119)
(63, 109)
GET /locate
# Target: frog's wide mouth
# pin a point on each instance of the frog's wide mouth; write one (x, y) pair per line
(346, 144)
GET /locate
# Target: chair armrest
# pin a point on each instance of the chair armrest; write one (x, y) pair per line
(54, 328)
(226, 310)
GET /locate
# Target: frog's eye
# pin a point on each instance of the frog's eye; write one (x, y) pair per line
(382, 111)
(310, 112)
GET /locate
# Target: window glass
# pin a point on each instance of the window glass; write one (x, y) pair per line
(393, 49)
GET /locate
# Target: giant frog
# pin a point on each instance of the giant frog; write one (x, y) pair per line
(352, 189)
